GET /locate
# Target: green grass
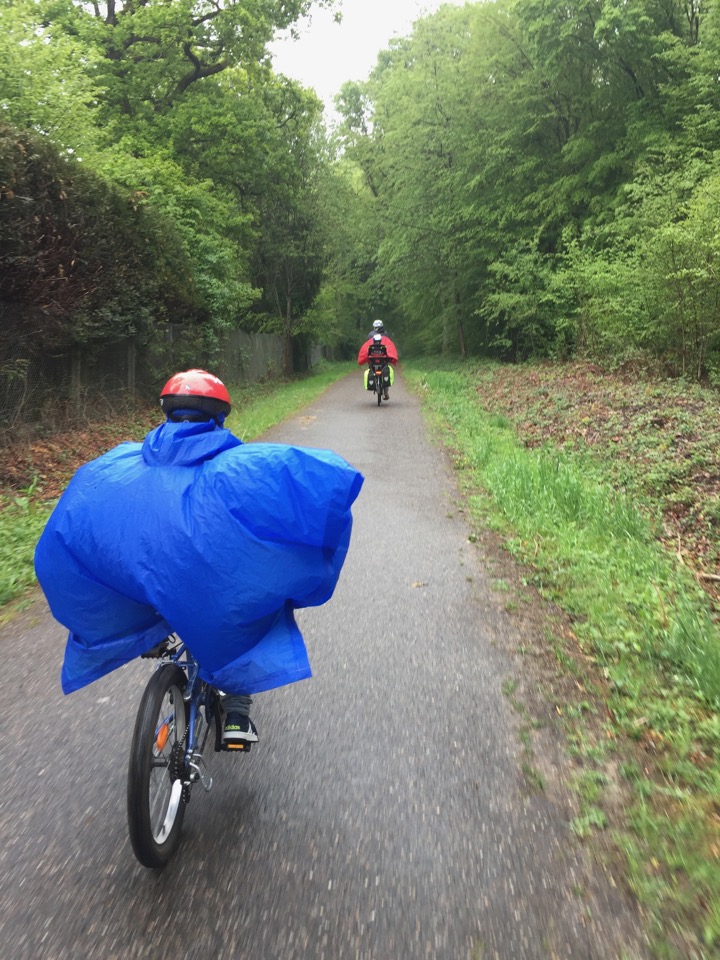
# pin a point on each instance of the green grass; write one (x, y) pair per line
(21, 523)
(23, 514)
(643, 624)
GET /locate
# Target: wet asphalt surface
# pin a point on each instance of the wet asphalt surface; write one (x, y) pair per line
(384, 814)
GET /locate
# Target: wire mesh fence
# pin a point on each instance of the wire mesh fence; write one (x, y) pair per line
(55, 390)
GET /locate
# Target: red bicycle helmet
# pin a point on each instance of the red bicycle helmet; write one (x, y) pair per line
(197, 391)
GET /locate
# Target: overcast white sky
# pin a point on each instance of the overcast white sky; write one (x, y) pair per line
(328, 54)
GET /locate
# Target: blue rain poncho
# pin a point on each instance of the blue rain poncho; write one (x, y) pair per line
(194, 532)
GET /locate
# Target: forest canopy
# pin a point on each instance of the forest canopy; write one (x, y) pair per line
(516, 178)
(544, 181)
(152, 168)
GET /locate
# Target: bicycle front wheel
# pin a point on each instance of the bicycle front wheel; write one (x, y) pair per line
(154, 791)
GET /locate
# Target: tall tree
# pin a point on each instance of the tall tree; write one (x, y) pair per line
(419, 126)
(287, 255)
(49, 87)
(152, 51)
(350, 233)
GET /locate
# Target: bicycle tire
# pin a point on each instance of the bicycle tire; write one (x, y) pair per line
(155, 804)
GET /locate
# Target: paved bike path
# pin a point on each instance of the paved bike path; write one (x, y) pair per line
(383, 816)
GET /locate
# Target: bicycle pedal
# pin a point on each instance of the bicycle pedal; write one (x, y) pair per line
(159, 650)
(242, 747)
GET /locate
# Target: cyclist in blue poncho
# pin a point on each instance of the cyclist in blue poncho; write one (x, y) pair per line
(194, 532)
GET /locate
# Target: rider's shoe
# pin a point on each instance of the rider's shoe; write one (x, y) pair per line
(387, 395)
(159, 650)
(239, 732)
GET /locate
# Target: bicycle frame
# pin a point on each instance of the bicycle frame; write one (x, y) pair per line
(198, 694)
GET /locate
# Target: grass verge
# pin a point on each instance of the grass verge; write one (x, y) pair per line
(650, 648)
(48, 465)
(21, 523)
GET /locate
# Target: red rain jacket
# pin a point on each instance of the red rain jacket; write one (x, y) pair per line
(392, 354)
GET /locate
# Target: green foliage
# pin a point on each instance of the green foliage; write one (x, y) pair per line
(77, 281)
(516, 178)
(171, 172)
(21, 523)
(287, 257)
(544, 177)
(50, 87)
(151, 54)
(350, 234)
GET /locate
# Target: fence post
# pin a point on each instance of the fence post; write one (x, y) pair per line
(75, 381)
(131, 361)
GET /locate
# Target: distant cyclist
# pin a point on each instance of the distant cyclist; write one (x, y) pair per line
(379, 347)
(378, 327)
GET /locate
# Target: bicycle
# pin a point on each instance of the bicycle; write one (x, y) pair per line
(177, 713)
(379, 377)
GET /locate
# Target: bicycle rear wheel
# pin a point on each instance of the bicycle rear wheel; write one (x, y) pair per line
(154, 793)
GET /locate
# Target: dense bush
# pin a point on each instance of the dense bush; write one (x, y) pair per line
(80, 260)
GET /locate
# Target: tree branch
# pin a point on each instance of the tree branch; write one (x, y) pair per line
(199, 70)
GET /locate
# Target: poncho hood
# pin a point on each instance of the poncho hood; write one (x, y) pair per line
(186, 444)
